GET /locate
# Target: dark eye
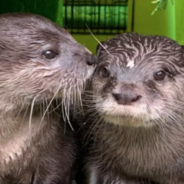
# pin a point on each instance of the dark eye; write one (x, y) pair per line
(160, 75)
(104, 72)
(49, 54)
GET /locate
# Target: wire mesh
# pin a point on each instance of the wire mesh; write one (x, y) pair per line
(101, 16)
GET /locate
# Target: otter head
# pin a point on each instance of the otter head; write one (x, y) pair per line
(139, 81)
(39, 61)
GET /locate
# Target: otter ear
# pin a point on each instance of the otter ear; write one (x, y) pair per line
(182, 50)
(182, 46)
(100, 47)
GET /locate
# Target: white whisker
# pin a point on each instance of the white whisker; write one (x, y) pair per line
(50, 103)
(31, 113)
(98, 40)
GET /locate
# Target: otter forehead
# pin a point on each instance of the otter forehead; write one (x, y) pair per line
(27, 36)
(24, 24)
(129, 50)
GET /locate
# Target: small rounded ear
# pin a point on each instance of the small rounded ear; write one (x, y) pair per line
(99, 47)
(181, 63)
(182, 46)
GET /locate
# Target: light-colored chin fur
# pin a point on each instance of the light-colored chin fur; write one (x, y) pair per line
(127, 121)
(127, 115)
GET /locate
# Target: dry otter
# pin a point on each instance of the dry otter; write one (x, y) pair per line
(39, 63)
(135, 115)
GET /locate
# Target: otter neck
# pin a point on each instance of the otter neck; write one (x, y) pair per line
(143, 135)
(17, 120)
(152, 150)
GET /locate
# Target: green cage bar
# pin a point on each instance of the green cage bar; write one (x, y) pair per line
(94, 16)
(101, 16)
(52, 9)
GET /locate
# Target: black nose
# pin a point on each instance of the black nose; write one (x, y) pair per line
(126, 98)
(90, 59)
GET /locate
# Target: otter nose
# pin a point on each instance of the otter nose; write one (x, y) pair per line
(90, 59)
(126, 98)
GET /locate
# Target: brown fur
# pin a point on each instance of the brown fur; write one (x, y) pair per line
(138, 136)
(36, 144)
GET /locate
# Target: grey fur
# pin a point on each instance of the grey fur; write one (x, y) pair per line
(36, 145)
(143, 140)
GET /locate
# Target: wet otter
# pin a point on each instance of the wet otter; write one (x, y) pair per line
(135, 116)
(39, 63)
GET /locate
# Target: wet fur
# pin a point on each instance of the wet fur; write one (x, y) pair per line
(36, 144)
(142, 142)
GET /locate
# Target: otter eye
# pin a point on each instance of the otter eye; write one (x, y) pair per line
(49, 54)
(104, 72)
(160, 75)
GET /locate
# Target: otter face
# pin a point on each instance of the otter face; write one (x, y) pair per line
(39, 60)
(141, 81)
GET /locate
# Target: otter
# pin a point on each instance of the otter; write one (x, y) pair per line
(41, 68)
(135, 112)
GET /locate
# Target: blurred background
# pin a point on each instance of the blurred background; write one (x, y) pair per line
(106, 18)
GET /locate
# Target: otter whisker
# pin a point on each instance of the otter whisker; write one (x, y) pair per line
(25, 113)
(75, 97)
(21, 109)
(63, 103)
(79, 96)
(98, 40)
(50, 102)
(74, 104)
(57, 107)
(66, 108)
(62, 107)
(67, 101)
(68, 105)
(31, 113)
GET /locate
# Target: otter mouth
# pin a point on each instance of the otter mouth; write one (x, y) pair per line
(133, 116)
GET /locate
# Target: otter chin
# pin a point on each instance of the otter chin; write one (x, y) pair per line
(41, 68)
(134, 112)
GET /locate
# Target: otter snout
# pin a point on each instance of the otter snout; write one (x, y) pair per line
(127, 94)
(126, 98)
(90, 59)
